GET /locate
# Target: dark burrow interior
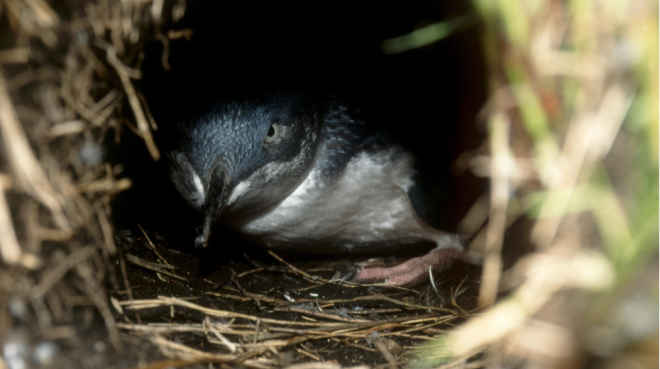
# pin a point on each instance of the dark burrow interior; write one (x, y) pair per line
(428, 98)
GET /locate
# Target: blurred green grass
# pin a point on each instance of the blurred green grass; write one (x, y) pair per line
(582, 79)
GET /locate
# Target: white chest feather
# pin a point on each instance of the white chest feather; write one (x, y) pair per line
(365, 206)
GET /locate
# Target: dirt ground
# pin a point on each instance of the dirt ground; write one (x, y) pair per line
(248, 280)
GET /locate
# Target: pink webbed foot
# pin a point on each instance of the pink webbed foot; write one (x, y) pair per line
(412, 272)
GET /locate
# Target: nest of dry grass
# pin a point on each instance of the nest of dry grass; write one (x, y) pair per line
(572, 149)
(256, 321)
(66, 83)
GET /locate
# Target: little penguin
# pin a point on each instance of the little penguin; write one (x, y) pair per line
(291, 170)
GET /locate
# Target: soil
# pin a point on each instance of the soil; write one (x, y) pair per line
(240, 269)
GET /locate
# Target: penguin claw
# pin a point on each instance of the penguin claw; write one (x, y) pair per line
(410, 273)
(346, 272)
(200, 242)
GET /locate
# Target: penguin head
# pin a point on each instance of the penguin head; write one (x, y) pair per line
(243, 156)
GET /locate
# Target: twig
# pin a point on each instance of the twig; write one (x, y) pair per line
(250, 296)
(296, 270)
(153, 266)
(321, 315)
(189, 353)
(256, 334)
(152, 246)
(308, 354)
(141, 120)
(384, 298)
(230, 345)
(382, 347)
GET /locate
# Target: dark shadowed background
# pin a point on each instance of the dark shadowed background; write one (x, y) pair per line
(427, 97)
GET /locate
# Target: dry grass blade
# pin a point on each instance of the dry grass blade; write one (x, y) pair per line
(250, 297)
(152, 246)
(26, 169)
(106, 228)
(174, 349)
(279, 333)
(546, 274)
(172, 301)
(589, 139)
(324, 366)
(158, 268)
(498, 204)
(379, 297)
(57, 272)
(36, 18)
(142, 123)
(15, 56)
(231, 346)
(9, 248)
(315, 313)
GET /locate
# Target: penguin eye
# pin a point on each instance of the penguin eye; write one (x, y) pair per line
(273, 133)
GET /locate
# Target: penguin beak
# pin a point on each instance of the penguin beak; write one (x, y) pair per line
(216, 200)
